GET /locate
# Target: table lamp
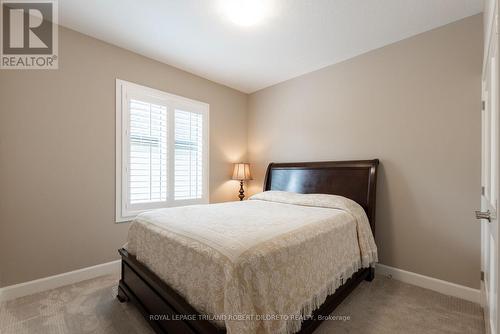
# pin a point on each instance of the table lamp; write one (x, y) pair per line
(241, 173)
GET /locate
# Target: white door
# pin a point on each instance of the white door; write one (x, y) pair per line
(490, 186)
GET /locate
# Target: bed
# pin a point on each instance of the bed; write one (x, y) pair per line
(219, 270)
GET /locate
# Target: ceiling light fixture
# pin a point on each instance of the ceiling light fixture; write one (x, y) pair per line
(246, 12)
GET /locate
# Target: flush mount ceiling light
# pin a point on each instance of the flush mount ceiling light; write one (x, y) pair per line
(246, 12)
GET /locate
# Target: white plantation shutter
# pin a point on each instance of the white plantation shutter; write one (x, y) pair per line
(148, 152)
(162, 150)
(188, 155)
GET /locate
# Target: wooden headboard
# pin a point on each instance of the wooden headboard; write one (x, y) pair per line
(356, 180)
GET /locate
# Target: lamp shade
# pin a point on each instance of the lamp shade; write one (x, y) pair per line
(241, 172)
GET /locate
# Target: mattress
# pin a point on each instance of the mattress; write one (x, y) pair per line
(257, 266)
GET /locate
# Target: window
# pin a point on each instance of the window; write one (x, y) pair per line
(161, 150)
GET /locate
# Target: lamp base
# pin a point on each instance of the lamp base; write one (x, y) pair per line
(242, 192)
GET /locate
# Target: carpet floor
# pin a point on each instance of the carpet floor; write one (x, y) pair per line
(383, 306)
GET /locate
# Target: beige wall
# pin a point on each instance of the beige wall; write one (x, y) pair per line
(57, 154)
(413, 104)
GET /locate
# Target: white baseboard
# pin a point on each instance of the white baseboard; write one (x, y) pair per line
(56, 281)
(444, 287)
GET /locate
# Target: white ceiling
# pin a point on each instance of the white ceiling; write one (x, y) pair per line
(298, 37)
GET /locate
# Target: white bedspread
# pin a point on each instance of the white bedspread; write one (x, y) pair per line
(256, 266)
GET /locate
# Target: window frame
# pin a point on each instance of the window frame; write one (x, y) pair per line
(124, 91)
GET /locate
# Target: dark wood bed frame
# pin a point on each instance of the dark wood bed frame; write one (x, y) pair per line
(356, 180)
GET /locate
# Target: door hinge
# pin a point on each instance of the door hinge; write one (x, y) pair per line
(483, 105)
(482, 276)
(482, 190)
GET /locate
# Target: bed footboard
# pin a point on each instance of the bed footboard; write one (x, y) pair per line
(168, 312)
